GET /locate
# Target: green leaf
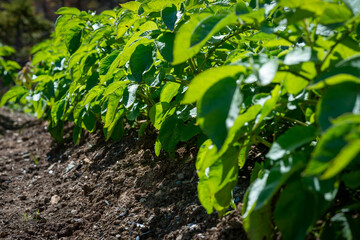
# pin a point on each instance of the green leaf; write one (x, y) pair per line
(106, 62)
(73, 38)
(298, 55)
(149, 6)
(76, 134)
(130, 95)
(293, 84)
(293, 138)
(295, 198)
(57, 131)
(115, 86)
(158, 113)
(213, 110)
(351, 179)
(169, 91)
(202, 82)
(68, 10)
(338, 99)
(190, 130)
(165, 45)
(184, 47)
(267, 71)
(335, 13)
(342, 226)
(327, 151)
(278, 176)
(58, 110)
(89, 121)
(168, 15)
(204, 28)
(112, 107)
(16, 92)
(157, 147)
(269, 105)
(131, 5)
(116, 129)
(345, 156)
(170, 133)
(141, 61)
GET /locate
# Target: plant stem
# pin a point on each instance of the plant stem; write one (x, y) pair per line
(264, 142)
(208, 55)
(292, 120)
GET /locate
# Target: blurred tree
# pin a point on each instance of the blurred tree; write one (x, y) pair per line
(21, 27)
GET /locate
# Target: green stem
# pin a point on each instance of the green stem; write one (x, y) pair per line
(292, 120)
(192, 65)
(208, 55)
(263, 141)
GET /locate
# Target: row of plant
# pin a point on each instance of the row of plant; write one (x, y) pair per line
(8, 68)
(234, 74)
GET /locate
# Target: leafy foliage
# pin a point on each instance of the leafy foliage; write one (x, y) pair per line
(283, 74)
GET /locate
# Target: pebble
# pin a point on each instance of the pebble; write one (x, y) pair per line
(143, 200)
(54, 199)
(70, 166)
(181, 176)
(118, 236)
(74, 211)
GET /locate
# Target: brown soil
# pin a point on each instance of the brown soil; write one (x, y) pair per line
(101, 190)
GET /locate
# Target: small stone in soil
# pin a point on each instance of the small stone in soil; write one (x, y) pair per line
(181, 176)
(54, 199)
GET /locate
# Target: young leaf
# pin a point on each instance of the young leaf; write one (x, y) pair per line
(169, 16)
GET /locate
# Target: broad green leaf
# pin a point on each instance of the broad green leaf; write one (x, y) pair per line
(6, 51)
(293, 138)
(141, 61)
(131, 5)
(293, 84)
(338, 99)
(278, 176)
(345, 156)
(57, 131)
(114, 87)
(169, 16)
(68, 10)
(335, 13)
(351, 179)
(112, 107)
(89, 121)
(149, 6)
(190, 130)
(14, 93)
(217, 177)
(158, 113)
(110, 13)
(327, 151)
(107, 61)
(125, 23)
(213, 110)
(302, 203)
(204, 28)
(205, 80)
(73, 37)
(169, 91)
(184, 44)
(165, 45)
(298, 55)
(130, 95)
(342, 226)
(267, 71)
(116, 128)
(58, 110)
(170, 133)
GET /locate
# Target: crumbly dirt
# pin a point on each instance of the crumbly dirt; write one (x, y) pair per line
(101, 190)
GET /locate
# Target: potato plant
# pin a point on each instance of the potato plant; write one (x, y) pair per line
(235, 74)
